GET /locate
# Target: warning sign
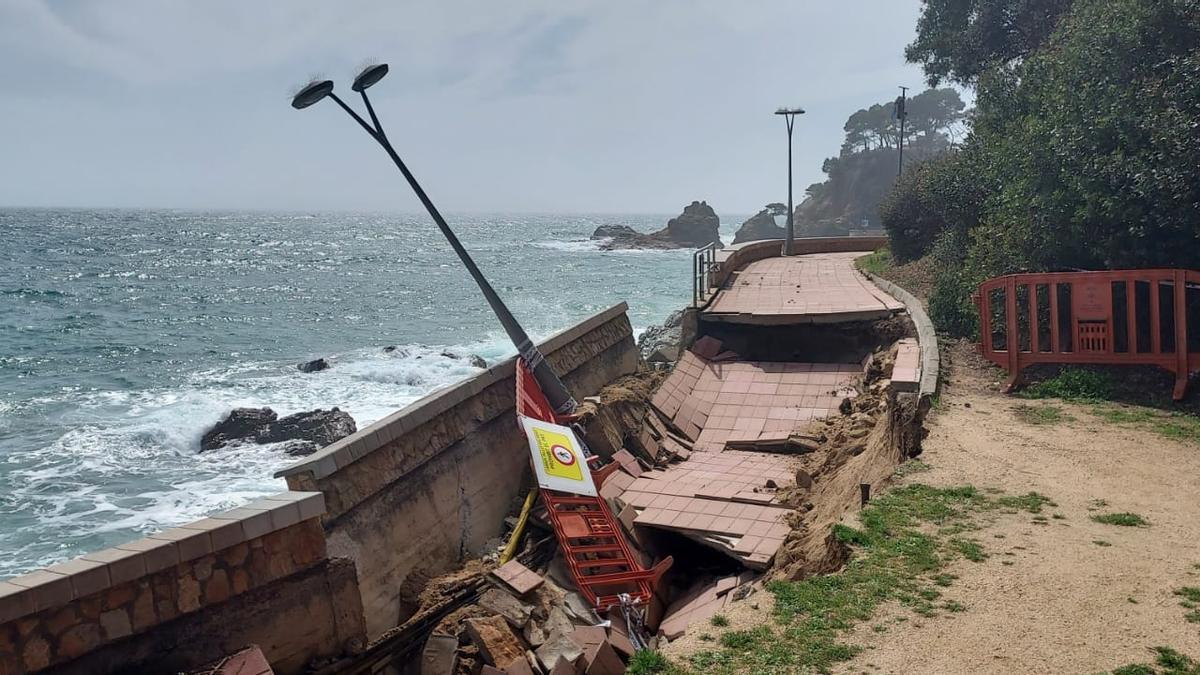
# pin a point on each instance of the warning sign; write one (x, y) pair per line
(558, 458)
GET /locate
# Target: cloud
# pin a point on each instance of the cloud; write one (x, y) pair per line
(576, 105)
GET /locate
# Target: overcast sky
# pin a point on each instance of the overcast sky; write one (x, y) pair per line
(516, 105)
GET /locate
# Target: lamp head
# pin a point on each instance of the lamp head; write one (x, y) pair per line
(369, 76)
(312, 93)
(790, 111)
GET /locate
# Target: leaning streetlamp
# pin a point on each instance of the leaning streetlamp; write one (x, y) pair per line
(546, 378)
(789, 115)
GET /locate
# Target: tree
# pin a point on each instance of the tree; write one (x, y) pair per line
(1084, 153)
(959, 40)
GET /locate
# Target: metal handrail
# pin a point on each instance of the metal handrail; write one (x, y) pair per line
(703, 261)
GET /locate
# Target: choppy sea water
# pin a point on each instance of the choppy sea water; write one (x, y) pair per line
(125, 334)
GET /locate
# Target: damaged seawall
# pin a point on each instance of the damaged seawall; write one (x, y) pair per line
(316, 572)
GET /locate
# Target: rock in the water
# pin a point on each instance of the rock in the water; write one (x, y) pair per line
(241, 424)
(697, 226)
(306, 432)
(623, 237)
(299, 448)
(477, 361)
(317, 426)
(661, 343)
(316, 365)
(761, 226)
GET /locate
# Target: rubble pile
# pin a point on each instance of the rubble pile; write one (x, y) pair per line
(526, 622)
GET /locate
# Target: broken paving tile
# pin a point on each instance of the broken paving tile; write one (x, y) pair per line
(602, 659)
(440, 655)
(558, 646)
(518, 577)
(500, 602)
(497, 642)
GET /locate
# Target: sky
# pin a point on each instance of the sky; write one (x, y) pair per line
(538, 106)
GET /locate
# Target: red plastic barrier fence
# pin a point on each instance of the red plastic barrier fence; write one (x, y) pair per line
(1136, 317)
(603, 565)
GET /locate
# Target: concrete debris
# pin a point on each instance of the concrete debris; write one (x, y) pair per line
(496, 641)
(248, 661)
(602, 659)
(580, 610)
(558, 646)
(516, 612)
(440, 656)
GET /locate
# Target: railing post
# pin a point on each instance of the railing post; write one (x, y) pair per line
(1033, 318)
(1013, 340)
(1131, 315)
(1181, 335)
(1155, 317)
(1055, 342)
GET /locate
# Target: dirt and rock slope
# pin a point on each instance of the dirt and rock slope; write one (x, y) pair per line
(1058, 592)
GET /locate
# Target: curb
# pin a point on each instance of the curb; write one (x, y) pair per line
(930, 359)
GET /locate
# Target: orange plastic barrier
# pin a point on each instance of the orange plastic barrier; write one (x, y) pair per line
(1133, 317)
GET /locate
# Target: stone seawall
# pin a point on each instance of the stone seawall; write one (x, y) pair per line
(179, 598)
(414, 494)
(308, 574)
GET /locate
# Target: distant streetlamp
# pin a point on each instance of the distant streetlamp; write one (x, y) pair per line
(546, 378)
(900, 112)
(789, 115)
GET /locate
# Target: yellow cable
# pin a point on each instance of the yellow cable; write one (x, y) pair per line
(515, 537)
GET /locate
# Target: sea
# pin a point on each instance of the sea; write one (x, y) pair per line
(125, 334)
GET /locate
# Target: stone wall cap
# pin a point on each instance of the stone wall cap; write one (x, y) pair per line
(335, 456)
(99, 570)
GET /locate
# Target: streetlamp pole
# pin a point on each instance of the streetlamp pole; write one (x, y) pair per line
(789, 116)
(902, 113)
(556, 393)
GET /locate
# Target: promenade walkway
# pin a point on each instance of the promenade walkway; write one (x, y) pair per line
(726, 417)
(817, 288)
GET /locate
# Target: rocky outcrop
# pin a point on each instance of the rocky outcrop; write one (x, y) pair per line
(660, 344)
(760, 226)
(698, 225)
(314, 366)
(304, 432)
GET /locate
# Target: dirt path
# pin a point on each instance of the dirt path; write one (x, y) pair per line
(1050, 599)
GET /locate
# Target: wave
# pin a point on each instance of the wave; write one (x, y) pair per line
(129, 463)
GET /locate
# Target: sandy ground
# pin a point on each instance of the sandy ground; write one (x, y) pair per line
(1065, 604)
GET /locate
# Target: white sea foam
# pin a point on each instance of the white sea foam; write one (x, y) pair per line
(130, 463)
(573, 245)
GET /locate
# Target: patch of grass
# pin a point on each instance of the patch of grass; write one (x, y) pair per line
(954, 606)
(1189, 593)
(1073, 384)
(910, 467)
(1030, 501)
(719, 620)
(1167, 661)
(1180, 426)
(877, 263)
(1123, 519)
(1058, 516)
(897, 555)
(1131, 600)
(706, 637)
(943, 579)
(971, 550)
(1040, 414)
(1101, 542)
(647, 662)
